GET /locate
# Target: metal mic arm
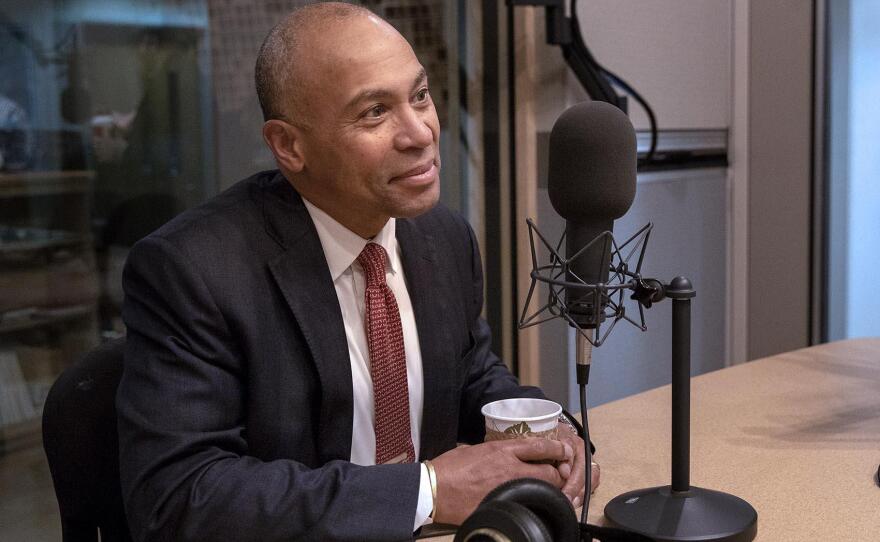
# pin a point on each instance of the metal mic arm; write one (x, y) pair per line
(563, 30)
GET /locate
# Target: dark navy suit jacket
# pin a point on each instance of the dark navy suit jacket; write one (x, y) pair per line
(235, 406)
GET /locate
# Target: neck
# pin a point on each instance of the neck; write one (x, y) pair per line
(365, 226)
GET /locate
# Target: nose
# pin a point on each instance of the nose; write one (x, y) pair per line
(415, 129)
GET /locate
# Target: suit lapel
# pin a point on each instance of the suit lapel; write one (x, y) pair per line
(429, 305)
(302, 274)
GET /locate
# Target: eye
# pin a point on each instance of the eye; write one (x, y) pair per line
(422, 95)
(376, 111)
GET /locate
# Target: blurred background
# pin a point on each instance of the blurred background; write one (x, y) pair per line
(117, 115)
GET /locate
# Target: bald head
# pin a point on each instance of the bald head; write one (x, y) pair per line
(349, 117)
(286, 59)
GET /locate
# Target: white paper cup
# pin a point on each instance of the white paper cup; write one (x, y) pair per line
(521, 418)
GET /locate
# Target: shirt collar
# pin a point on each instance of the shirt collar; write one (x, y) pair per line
(342, 246)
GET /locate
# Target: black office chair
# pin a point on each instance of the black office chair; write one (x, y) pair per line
(80, 439)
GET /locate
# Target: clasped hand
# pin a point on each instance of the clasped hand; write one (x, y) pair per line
(467, 473)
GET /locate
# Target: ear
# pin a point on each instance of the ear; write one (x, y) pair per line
(285, 142)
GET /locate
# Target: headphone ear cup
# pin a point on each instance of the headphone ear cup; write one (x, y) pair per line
(544, 500)
(497, 521)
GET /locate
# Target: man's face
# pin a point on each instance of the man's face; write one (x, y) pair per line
(372, 150)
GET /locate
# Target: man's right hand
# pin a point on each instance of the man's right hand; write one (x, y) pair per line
(467, 473)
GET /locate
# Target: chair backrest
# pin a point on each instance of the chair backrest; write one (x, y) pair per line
(81, 443)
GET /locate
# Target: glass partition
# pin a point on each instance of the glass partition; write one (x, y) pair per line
(116, 115)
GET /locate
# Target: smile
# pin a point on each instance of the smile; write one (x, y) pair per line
(419, 175)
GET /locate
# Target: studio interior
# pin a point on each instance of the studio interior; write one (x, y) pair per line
(677, 230)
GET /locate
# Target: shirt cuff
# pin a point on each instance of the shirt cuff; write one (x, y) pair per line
(425, 506)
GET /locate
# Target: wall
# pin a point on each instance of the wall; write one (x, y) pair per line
(684, 64)
(678, 56)
(675, 52)
(779, 176)
(753, 219)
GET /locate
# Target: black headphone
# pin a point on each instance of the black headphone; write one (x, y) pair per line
(532, 510)
(522, 510)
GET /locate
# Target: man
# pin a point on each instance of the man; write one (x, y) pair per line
(251, 406)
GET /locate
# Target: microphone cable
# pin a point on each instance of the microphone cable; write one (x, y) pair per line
(589, 531)
(588, 478)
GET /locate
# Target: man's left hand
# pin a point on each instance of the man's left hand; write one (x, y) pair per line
(573, 470)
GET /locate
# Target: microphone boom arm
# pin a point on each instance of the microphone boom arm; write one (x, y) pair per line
(562, 29)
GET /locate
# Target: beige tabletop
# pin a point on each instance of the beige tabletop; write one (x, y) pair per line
(797, 435)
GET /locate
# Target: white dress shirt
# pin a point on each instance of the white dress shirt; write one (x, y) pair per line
(341, 249)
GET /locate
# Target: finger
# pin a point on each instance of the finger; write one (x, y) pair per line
(569, 440)
(574, 484)
(595, 483)
(538, 449)
(564, 470)
(548, 473)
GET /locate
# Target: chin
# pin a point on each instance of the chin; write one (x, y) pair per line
(418, 206)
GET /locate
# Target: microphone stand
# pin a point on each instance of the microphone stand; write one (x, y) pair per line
(678, 512)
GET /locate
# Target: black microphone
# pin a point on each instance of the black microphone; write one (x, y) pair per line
(591, 182)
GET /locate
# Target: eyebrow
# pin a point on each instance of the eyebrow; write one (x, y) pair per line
(370, 94)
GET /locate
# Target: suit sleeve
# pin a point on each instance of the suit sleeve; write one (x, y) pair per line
(185, 468)
(488, 378)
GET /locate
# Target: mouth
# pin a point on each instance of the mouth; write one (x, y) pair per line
(419, 174)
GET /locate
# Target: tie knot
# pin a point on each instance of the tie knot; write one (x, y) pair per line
(372, 259)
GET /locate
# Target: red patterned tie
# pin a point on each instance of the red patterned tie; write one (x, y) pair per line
(387, 362)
